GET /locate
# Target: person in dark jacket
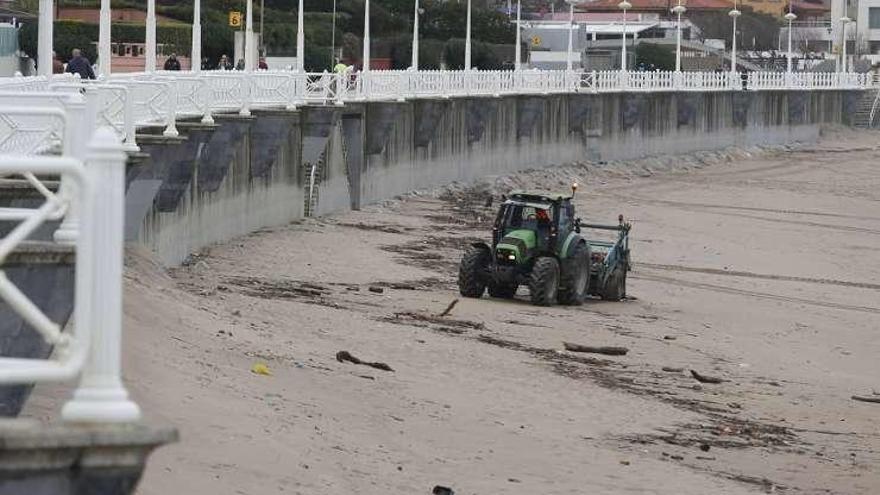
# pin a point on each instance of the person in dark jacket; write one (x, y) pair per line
(224, 63)
(78, 64)
(172, 63)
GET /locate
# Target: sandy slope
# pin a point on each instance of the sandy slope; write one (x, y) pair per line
(763, 270)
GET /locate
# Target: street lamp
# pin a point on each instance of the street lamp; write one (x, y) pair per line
(624, 6)
(733, 15)
(518, 56)
(333, 37)
(150, 37)
(301, 39)
(415, 42)
(366, 53)
(844, 21)
(570, 34)
(790, 17)
(467, 41)
(196, 52)
(44, 33)
(104, 39)
(249, 37)
(678, 10)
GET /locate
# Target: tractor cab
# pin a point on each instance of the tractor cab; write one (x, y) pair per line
(537, 242)
(530, 223)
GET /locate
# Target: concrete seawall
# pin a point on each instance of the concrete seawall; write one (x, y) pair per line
(247, 173)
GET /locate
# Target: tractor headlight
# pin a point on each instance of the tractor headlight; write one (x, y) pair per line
(511, 257)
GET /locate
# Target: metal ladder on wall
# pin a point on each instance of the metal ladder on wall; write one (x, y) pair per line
(874, 116)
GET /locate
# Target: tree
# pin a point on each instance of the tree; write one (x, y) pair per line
(659, 56)
(754, 29)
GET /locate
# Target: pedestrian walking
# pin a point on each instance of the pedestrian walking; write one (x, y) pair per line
(80, 65)
(172, 63)
(224, 63)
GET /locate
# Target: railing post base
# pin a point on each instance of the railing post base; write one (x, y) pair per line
(101, 396)
(101, 405)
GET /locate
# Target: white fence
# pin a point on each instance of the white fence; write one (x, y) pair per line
(126, 102)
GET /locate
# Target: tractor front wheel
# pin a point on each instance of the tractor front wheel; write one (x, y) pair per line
(472, 272)
(544, 281)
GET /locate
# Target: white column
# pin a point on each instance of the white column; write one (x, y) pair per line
(44, 45)
(196, 53)
(624, 5)
(570, 35)
(101, 396)
(518, 56)
(150, 38)
(790, 17)
(678, 10)
(366, 55)
(838, 10)
(104, 39)
(733, 15)
(301, 39)
(467, 39)
(844, 23)
(415, 42)
(249, 37)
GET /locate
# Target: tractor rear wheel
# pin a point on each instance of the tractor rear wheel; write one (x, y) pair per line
(615, 289)
(502, 290)
(576, 278)
(544, 281)
(472, 272)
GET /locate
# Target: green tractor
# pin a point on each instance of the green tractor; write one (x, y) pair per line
(537, 241)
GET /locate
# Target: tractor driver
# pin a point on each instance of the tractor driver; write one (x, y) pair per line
(543, 230)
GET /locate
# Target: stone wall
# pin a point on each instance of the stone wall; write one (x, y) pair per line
(246, 173)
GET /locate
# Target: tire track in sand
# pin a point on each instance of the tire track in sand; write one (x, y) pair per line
(761, 276)
(756, 294)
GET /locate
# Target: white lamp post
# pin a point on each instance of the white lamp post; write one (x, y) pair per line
(301, 39)
(196, 53)
(415, 42)
(518, 56)
(467, 39)
(844, 21)
(44, 45)
(624, 6)
(104, 39)
(678, 10)
(790, 17)
(150, 37)
(733, 15)
(249, 37)
(570, 34)
(366, 53)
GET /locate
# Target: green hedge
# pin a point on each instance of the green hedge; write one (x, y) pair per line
(75, 34)
(482, 55)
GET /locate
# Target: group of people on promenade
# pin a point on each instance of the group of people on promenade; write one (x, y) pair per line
(79, 64)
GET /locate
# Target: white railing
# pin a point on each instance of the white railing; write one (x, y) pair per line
(91, 347)
(159, 98)
(875, 110)
(758, 81)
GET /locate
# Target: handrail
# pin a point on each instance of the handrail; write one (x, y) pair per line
(875, 108)
(92, 348)
(71, 350)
